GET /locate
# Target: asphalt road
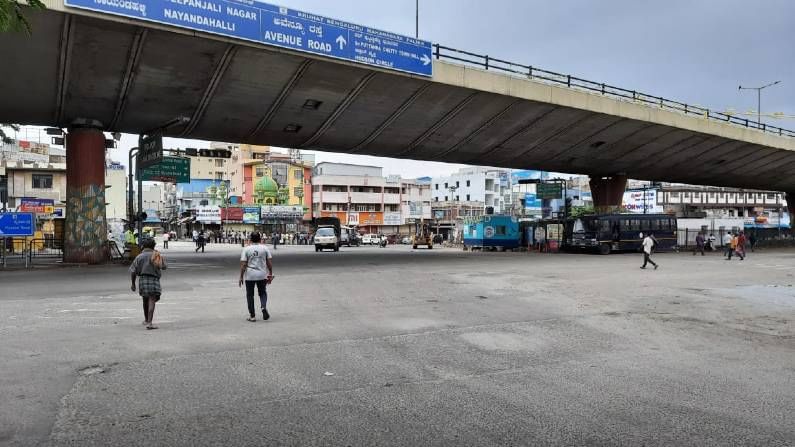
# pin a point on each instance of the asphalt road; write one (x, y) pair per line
(395, 346)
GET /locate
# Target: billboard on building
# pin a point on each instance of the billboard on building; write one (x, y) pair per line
(34, 205)
(415, 209)
(282, 211)
(251, 214)
(642, 202)
(208, 214)
(375, 218)
(531, 201)
(392, 218)
(232, 213)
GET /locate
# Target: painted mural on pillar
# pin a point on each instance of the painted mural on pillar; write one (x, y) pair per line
(85, 227)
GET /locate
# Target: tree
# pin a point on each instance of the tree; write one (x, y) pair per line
(12, 15)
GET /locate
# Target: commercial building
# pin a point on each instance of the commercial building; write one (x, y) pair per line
(360, 196)
(489, 186)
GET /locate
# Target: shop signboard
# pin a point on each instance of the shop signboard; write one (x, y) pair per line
(282, 211)
(376, 218)
(34, 205)
(208, 214)
(415, 209)
(251, 214)
(234, 214)
(392, 218)
(353, 219)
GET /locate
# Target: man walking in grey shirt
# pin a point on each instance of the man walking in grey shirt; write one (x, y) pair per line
(256, 270)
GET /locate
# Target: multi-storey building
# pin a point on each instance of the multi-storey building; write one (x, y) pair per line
(475, 184)
(115, 191)
(360, 196)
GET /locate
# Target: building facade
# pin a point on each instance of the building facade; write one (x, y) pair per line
(489, 186)
(115, 191)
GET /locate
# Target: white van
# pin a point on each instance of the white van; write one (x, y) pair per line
(325, 237)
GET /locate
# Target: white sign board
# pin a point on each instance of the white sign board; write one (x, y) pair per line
(392, 218)
(208, 214)
(640, 200)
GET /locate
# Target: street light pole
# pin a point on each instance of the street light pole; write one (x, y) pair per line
(758, 98)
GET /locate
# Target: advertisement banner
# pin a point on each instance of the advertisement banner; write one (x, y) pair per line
(341, 215)
(376, 218)
(208, 214)
(531, 201)
(39, 206)
(353, 218)
(638, 201)
(392, 218)
(282, 211)
(232, 214)
(251, 214)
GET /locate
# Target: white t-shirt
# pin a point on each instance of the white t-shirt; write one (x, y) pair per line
(648, 244)
(255, 256)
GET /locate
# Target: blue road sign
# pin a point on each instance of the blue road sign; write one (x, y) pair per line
(17, 224)
(279, 26)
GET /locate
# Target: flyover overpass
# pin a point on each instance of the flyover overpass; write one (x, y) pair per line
(132, 75)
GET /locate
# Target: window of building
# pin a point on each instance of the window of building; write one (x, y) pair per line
(771, 196)
(435, 199)
(298, 174)
(457, 184)
(315, 188)
(219, 162)
(467, 197)
(457, 198)
(468, 183)
(445, 198)
(437, 186)
(260, 172)
(219, 175)
(445, 186)
(298, 191)
(42, 181)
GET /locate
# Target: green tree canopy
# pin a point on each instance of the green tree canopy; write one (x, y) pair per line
(12, 15)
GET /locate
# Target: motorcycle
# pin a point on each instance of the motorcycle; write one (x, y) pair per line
(382, 242)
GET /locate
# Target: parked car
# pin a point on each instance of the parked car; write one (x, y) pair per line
(406, 240)
(370, 239)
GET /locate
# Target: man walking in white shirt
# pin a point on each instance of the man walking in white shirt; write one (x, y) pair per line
(648, 246)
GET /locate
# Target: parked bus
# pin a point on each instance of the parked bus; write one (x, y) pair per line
(620, 232)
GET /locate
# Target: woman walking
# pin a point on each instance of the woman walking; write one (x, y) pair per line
(147, 268)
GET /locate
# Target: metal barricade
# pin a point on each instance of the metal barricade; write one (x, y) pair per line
(48, 249)
(13, 251)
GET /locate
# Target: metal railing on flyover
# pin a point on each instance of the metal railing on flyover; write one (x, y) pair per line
(528, 71)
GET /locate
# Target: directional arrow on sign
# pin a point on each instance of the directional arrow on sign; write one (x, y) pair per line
(425, 59)
(341, 42)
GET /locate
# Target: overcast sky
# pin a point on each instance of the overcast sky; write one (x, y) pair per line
(690, 50)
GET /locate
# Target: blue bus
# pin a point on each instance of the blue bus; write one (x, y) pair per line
(610, 233)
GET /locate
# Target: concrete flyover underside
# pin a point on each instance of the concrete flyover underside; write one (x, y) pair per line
(133, 76)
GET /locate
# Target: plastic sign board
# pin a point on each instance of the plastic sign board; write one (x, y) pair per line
(170, 170)
(17, 224)
(150, 151)
(281, 27)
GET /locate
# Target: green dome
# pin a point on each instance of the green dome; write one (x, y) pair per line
(267, 186)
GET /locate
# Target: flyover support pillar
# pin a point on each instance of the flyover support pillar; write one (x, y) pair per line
(790, 196)
(608, 192)
(86, 227)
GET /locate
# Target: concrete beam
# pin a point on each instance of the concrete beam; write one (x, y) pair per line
(218, 74)
(288, 88)
(341, 108)
(129, 75)
(64, 62)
